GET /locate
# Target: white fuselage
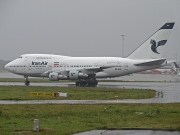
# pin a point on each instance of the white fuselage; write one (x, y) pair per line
(40, 65)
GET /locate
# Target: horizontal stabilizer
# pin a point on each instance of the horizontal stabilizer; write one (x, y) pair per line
(170, 62)
(176, 65)
(151, 63)
(176, 68)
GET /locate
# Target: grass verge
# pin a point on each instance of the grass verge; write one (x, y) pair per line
(74, 93)
(67, 119)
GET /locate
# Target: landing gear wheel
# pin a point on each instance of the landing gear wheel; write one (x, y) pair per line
(77, 83)
(96, 82)
(92, 84)
(87, 82)
(27, 83)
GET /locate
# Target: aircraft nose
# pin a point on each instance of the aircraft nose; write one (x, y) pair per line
(6, 66)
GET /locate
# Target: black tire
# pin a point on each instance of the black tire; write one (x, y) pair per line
(85, 83)
(91, 84)
(27, 83)
(96, 82)
(77, 83)
(81, 83)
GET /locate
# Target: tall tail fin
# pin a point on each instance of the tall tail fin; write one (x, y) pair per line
(153, 47)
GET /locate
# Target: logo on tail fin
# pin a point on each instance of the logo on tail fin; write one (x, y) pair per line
(154, 46)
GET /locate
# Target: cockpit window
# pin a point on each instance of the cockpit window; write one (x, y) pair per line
(20, 57)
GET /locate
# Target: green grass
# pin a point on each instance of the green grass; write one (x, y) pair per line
(64, 119)
(74, 93)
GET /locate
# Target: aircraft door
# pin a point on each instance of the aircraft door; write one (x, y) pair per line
(29, 66)
(96, 64)
(26, 58)
(125, 66)
(49, 66)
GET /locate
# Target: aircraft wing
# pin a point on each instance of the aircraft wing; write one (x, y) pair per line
(89, 70)
(151, 63)
(85, 70)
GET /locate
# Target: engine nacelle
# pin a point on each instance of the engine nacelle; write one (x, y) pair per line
(74, 75)
(82, 75)
(56, 77)
(62, 77)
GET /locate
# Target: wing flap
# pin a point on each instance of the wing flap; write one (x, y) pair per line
(90, 70)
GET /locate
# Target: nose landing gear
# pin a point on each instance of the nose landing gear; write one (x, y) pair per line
(27, 82)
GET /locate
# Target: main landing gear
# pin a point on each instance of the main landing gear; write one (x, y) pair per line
(89, 82)
(27, 82)
(85, 83)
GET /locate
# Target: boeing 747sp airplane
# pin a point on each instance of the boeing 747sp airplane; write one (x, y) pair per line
(85, 70)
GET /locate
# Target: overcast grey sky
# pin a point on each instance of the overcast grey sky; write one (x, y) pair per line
(84, 27)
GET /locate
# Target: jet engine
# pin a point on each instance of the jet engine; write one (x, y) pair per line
(56, 77)
(74, 75)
